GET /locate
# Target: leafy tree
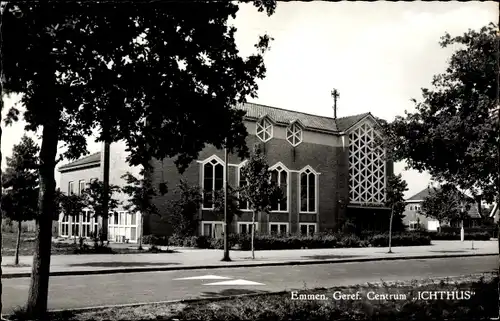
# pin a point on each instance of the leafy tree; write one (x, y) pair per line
(140, 192)
(233, 207)
(80, 67)
(20, 202)
(184, 209)
(454, 132)
(259, 191)
(396, 186)
(446, 204)
(93, 198)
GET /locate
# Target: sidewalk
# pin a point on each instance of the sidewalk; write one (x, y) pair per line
(201, 259)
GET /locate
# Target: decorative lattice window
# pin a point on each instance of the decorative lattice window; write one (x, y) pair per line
(366, 166)
(308, 185)
(264, 130)
(213, 180)
(294, 134)
(279, 176)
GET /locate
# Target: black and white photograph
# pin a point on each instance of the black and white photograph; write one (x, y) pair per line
(249, 160)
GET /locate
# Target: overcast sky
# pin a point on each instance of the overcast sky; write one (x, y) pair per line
(378, 55)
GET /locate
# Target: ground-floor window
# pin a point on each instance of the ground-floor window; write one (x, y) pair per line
(123, 227)
(413, 225)
(278, 228)
(307, 229)
(75, 225)
(212, 229)
(246, 228)
(83, 225)
(64, 229)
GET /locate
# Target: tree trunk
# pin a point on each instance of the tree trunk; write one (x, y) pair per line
(390, 231)
(1, 245)
(253, 234)
(498, 240)
(1, 110)
(74, 236)
(105, 190)
(140, 230)
(39, 285)
(18, 244)
(226, 257)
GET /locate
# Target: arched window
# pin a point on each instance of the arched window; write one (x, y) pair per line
(243, 205)
(294, 134)
(213, 180)
(279, 176)
(264, 129)
(308, 190)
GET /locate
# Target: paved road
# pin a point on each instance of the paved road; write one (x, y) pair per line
(97, 290)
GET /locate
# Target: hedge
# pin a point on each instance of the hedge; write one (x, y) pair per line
(291, 242)
(447, 236)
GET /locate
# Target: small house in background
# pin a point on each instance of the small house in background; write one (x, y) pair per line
(123, 226)
(415, 218)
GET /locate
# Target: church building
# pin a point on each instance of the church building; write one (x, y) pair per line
(331, 170)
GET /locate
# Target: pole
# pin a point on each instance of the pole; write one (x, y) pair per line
(390, 230)
(226, 236)
(105, 192)
(462, 233)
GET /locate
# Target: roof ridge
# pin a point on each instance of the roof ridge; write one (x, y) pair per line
(79, 159)
(356, 115)
(293, 111)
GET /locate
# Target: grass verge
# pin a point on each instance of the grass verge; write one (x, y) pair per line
(26, 248)
(475, 298)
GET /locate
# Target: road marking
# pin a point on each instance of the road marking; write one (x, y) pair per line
(235, 282)
(205, 277)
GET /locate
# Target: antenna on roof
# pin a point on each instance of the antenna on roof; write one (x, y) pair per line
(335, 95)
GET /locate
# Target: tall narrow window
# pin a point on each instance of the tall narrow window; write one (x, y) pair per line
(264, 130)
(81, 187)
(244, 205)
(308, 191)
(279, 176)
(213, 180)
(71, 189)
(294, 134)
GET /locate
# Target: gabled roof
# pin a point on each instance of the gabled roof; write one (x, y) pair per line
(420, 195)
(344, 123)
(93, 159)
(286, 117)
(474, 211)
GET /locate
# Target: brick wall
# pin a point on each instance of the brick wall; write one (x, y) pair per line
(323, 152)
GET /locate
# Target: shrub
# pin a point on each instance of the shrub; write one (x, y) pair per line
(294, 242)
(203, 242)
(155, 240)
(454, 236)
(402, 239)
